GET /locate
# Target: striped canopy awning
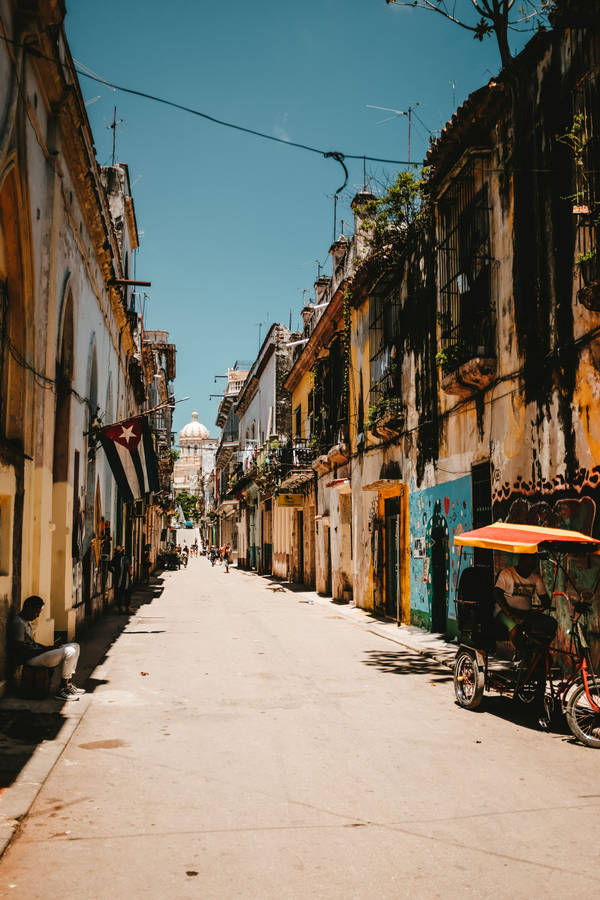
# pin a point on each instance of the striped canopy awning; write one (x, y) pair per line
(525, 539)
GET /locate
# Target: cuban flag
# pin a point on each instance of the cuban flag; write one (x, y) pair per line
(130, 453)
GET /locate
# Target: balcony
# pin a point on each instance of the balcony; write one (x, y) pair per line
(386, 417)
(468, 357)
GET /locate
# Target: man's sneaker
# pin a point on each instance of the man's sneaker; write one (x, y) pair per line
(73, 689)
(65, 694)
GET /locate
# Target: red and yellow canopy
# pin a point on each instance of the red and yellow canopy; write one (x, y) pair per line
(525, 538)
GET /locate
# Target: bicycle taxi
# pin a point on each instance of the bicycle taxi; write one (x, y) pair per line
(544, 673)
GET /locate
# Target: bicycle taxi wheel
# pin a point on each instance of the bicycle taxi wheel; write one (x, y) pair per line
(583, 716)
(469, 681)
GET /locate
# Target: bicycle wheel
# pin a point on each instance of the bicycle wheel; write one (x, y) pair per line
(469, 681)
(583, 720)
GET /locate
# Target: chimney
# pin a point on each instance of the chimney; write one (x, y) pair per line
(307, 314)
(338, 249)
(321, 285)
(361, 235)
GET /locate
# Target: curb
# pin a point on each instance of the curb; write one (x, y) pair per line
(20, 796)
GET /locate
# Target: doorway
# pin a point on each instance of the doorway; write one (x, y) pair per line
(300, 532)
(439, 568)
(392, 558)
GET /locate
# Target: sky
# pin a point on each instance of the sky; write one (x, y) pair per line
(232, 226)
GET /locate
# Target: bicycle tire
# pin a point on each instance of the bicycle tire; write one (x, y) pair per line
(469, 681)
(583, 721)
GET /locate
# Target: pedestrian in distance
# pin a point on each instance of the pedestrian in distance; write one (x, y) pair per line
(25, 649)
(226, 557)
(121, 569)
(212, 556)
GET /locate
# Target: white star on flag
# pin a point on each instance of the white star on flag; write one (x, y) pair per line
(127, 433)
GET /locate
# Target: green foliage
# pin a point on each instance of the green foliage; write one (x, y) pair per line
(585, 257)
(398, 207)
(451, 357)
(188, 504)
(174, 454)
(347, 348)
(383, 407)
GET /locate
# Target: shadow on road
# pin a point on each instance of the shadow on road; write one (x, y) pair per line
(405, 662)
(25, 723)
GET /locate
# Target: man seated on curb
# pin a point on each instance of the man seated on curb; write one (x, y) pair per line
(26, 650)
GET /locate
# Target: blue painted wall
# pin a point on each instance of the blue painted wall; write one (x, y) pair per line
(449, 503)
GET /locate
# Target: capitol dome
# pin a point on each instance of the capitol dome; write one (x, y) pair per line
(194, 429)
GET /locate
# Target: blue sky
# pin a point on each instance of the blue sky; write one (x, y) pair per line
(233, 225)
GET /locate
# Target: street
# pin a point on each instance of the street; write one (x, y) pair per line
(239, 742)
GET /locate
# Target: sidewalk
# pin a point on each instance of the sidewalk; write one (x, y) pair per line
(34, 733)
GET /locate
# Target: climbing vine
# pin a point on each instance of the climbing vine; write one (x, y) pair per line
(347, 344)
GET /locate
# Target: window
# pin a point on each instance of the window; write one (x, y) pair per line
(298, 422)
(310, 420)
(384, 328)
(464, 264)
(5, 507)
(587, 187)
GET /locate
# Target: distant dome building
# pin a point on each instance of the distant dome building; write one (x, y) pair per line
(196, 457)
(194, 430)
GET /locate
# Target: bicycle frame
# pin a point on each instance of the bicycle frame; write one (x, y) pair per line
(580, 651)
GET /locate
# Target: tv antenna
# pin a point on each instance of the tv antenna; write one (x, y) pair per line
(113, 127)
(259, 325)
(396, 114)
(335, 199)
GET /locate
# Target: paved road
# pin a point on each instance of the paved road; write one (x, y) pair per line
(241, 743)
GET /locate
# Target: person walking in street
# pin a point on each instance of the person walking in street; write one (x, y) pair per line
(212, 556)
(25, 649)
(185, 555)
(226, 557)
(121, 569)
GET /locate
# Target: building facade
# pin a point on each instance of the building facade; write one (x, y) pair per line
(71, 336)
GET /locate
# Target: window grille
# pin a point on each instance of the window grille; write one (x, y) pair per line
(384, 328)
(464, 261)
(587, 181)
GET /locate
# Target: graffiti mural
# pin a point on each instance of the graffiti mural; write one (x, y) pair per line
(556, 504)
(446, 506)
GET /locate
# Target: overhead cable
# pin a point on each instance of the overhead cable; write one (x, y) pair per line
(85, 72)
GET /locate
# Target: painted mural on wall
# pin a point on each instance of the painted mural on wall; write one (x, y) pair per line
(437, 514)
(556, 504)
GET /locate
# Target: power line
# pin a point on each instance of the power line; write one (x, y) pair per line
(81, 70)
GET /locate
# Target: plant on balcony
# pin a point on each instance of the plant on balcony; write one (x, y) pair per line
(386, 416)
(451, 357)
(268, 473)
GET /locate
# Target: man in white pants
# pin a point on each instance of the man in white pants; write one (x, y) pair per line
(26, 650)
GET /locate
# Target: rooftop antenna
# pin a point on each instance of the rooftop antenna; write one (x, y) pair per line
(335, 199)
(319, 267)
(364, 173)
(113, 127)
(453, 86)
(259, 325)
(398, 112)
